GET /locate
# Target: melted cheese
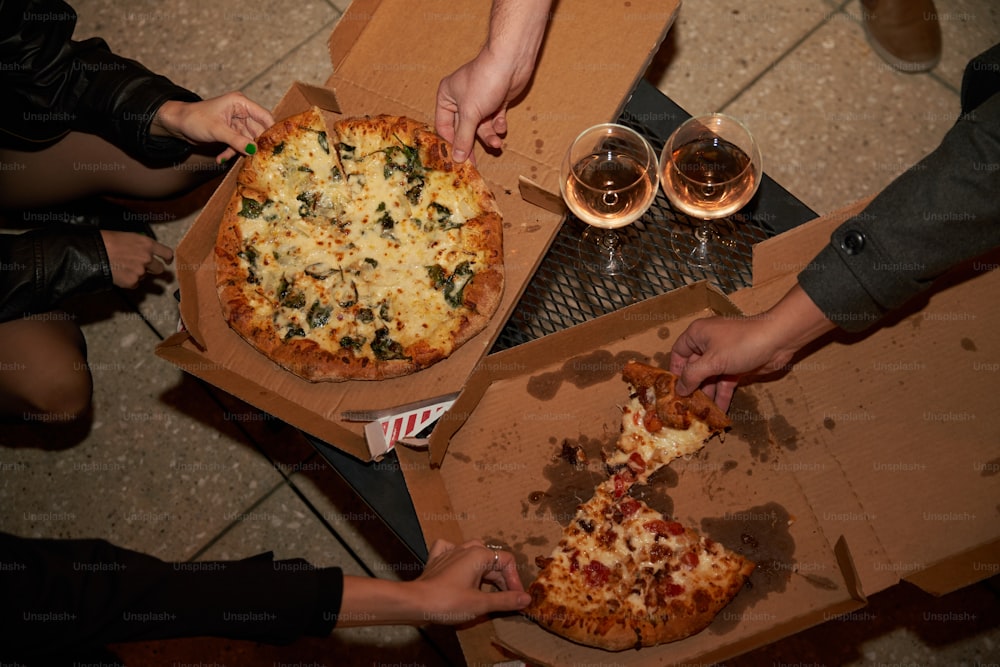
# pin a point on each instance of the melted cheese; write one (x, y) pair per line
(344, 249)
(656, 449)
(627, 552)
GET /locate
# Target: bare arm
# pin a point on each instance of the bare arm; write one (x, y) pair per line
(472, 101)
(447, 593)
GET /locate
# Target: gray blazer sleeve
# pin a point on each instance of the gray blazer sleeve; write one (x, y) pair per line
(941, 212)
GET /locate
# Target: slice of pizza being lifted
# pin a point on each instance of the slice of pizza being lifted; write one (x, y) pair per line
(659, 426)
(624, 576)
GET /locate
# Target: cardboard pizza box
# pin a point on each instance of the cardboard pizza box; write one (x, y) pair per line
(388, 57)
(872, 460)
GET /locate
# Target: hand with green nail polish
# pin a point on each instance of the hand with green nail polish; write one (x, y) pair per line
(231, 119)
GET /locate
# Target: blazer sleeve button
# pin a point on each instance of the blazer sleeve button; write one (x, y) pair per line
(853, 242)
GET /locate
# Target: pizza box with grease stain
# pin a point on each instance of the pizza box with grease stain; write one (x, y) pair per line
(388, 57)
(872, 460)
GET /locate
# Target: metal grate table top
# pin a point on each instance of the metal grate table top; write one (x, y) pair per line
(561, 294)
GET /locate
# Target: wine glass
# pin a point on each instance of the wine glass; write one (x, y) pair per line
(711, 168)
(608, 179)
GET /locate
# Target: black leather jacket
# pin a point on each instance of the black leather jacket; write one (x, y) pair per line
(51, 85)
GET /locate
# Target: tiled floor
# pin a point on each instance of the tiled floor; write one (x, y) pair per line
(174, 468)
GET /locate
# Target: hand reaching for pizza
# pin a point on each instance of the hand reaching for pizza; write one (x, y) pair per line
(472, 101)
(448, 592)
(230, 119)
(132, 256)
(714, 353)
(453, 577)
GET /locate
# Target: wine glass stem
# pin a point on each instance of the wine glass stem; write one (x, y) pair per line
(703, 232)
(608, 238)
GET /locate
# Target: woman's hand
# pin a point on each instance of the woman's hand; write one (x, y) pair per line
(230, 119)
(454, 575)
(448, 592)
(472, 101)
(132, 256)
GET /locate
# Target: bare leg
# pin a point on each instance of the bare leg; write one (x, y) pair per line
(43, 369)
(84, 165)
(43, 362)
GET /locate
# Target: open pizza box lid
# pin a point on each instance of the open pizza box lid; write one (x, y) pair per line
(388, 57)
(872, 460)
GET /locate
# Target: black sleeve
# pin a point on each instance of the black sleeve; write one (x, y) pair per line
(53, 84)
(62, 596)
(941, 212)
(41, 267)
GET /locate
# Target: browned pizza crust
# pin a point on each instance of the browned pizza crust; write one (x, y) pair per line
(481, 236)
(665, 407)
(584, 603)
(619, 630)
(623, 576)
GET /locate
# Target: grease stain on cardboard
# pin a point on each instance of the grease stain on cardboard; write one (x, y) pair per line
(581, 371)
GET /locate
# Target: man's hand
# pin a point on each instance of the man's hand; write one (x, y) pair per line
(714, 353)
(132, 256)
(472, 101)
(230, 119)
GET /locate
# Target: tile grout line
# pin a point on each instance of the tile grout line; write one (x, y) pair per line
(330, 529)
(767, 70)
(826, 19)
(353, 554)
(236, 522)
(325, 27)
(937, 77)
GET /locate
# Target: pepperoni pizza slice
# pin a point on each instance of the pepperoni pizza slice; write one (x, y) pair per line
(624, 576)
(658, 425)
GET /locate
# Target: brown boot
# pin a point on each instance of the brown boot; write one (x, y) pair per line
(904, 33)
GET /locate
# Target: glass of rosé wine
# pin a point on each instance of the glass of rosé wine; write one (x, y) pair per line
(711, 168)
(608, 179)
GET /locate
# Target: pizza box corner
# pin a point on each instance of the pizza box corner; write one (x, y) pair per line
(872, 460)
(373, 76)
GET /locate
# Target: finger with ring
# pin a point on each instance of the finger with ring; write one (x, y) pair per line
(497, 548)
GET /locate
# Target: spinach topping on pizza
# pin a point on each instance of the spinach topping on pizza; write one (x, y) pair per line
(356, 249)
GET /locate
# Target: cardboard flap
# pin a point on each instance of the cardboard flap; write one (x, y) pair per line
(540, 196)
(908, 413)
(961, 570)
(182, 350)
(787, 254)
(579, 340)
(351, 24)
(523, 404)
(412, 47)
(195, 254)
(901, 452)
(304, 95)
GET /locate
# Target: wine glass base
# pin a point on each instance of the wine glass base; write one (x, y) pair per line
(701, 247)
(609, 252)
(691, 251)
